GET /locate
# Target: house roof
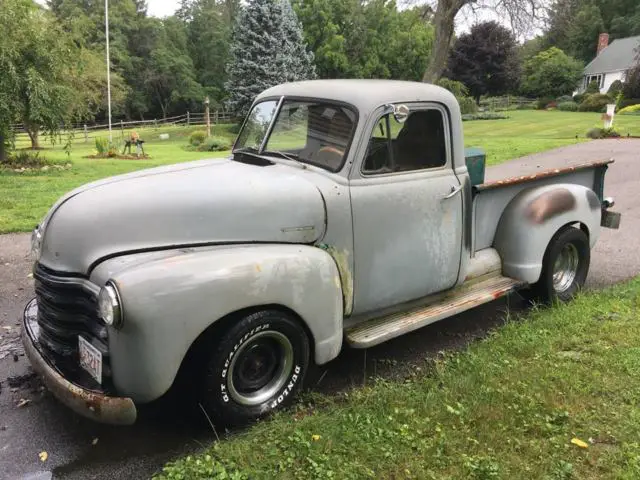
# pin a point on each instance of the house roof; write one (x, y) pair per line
(619, 55)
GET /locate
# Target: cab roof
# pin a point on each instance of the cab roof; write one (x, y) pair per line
(365, 95)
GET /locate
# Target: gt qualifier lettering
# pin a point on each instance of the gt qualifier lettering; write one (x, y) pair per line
(223, 385)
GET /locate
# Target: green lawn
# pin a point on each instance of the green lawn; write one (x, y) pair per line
(25, 197)
(552, 395)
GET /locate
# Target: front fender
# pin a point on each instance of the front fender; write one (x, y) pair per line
(169, 298)
(533, 217)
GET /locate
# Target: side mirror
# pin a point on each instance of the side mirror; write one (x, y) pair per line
(400, 113)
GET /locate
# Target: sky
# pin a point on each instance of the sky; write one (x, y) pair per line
(162, 8)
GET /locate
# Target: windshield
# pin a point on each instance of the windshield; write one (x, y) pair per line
(314, 132)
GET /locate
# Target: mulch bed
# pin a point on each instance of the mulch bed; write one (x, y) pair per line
(120, 157)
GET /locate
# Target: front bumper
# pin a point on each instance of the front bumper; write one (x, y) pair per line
(88, 403)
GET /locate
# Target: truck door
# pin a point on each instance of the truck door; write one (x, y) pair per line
(407, 211)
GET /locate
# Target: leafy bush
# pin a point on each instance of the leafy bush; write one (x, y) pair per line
(596, 102)
(215, 144)
(544, 102)
(627, 102)
(467, 105)
(597, 133)
(579, 97)
(457, 88)
(615, 88)
(564, 99)
(197, 137)
(102, 145)
(568, 106)
(631, 109)
(29, 160)
(593, 87)
(235, 128)
(484, 116)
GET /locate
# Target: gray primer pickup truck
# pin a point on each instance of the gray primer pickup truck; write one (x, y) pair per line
(346, 214)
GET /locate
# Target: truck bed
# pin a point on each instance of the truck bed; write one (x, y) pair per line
(491, 197)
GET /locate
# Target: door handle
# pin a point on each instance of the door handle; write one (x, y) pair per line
(454, 189)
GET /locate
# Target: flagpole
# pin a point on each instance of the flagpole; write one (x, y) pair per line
(106, 33)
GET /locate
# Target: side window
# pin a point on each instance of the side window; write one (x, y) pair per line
(417, 144)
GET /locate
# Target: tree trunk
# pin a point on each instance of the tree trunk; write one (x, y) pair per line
(33, 131)
(3, 153)
(443, 21)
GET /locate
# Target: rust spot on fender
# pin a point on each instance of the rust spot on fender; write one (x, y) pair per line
(550, 204)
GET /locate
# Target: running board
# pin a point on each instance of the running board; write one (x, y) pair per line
(378, 330)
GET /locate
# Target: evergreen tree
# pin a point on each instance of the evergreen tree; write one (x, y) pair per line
(267, 49)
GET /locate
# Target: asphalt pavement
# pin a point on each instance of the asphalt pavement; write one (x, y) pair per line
(32, 421)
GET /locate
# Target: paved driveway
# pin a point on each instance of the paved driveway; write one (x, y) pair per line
(138, 451)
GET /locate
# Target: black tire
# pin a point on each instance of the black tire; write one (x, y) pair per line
(566, 244)
(257, 366)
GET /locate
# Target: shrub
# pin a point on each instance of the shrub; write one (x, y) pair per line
(593, 87)
(631, 109)
(579, 97)
(197, 137)
(615, 88)
(627, 102)
(457, 88)
(484, 116)
(597, 133)
(568, 106)
(543, 102)
(467, 105)
(29, 160)
(564, 99)
(235, 128)
(102, 145)
(596, 102)
(215, 144)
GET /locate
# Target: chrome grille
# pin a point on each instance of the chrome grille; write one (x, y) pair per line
(67, 307)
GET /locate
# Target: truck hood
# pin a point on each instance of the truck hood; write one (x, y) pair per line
(204, 202)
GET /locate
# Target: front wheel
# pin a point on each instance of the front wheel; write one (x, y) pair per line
(258, 366)
(565, 266)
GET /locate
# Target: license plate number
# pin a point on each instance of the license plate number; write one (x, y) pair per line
(90, 359)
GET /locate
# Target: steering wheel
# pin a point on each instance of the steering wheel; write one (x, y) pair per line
(330, 155)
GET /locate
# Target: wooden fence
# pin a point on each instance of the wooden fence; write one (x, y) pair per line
(88, 131)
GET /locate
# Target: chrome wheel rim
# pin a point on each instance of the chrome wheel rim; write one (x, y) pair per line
(260, 368)
(565, 268)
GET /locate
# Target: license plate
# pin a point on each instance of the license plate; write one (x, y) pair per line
(90, 359)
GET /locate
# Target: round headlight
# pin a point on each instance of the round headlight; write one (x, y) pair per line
(109, 308)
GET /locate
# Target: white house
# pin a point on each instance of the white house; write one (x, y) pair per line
(612, 61)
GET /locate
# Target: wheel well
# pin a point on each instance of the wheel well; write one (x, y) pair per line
(584, 228)
(191, 366)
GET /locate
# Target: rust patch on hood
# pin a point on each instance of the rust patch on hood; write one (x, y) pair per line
(550, 204)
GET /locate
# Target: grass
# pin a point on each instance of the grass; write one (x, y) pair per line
(532, 131)
(552, 395)
(25, 197)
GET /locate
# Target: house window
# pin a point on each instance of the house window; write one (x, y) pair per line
(597, 78)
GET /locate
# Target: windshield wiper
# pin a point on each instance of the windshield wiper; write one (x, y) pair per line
(289, 156)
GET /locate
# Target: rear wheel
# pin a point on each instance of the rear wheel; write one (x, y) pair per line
(258, 366)
(565, 266)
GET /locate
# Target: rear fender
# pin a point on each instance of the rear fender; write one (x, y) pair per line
(169, 298)
(533, 217)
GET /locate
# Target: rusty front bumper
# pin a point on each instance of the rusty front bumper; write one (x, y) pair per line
(88, 403)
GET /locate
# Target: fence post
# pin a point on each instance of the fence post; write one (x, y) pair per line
(188, 118)
(121, 127)
(206, 116)
(86, 134)
(155, 123)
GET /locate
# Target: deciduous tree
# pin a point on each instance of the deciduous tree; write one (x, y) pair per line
(551, 73)
(485, 60)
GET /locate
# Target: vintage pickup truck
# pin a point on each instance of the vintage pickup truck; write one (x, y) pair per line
(346, 214)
